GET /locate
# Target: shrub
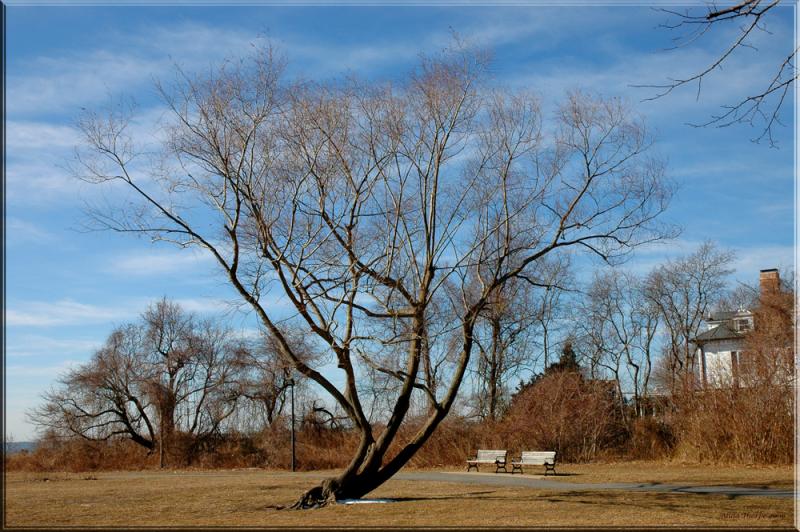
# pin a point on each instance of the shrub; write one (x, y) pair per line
(650, 439)
(753, 425)
(566, 413)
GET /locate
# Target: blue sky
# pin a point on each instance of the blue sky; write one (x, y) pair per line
(66, 288)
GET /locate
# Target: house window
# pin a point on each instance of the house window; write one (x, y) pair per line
(742, 325)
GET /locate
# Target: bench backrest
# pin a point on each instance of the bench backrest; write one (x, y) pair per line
(484, 454)
(538, 457)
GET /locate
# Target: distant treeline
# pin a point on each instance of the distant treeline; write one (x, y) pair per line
(623, 382)
(561, 410)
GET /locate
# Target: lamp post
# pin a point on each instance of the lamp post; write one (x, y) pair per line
(291, 383)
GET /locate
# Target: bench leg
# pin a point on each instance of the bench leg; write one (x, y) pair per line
(471, 466)
(549, 467)
(515, 467)
(501, 466)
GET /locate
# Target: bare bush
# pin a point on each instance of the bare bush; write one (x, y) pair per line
(564, 412)
(737, 425)
(650, 439)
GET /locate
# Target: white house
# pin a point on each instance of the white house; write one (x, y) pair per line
(720, 346)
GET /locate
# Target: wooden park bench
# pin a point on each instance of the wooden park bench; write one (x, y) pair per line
(545, 458)
(498, 458)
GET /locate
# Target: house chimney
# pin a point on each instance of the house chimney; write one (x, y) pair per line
(770, 282)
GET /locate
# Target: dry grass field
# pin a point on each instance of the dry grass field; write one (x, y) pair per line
(248, 497)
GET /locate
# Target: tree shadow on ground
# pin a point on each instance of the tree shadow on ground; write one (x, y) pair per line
(674, 500)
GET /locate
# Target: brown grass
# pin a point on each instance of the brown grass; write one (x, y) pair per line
(246, 497)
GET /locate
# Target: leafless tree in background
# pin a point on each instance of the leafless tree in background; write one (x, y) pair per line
(761, 109)
(684, 290)
(169, 373)
(377, 210)
(515, 330)
(618, 327)
(502, 336)
(104, 398)
(264, 379)
(552, 306)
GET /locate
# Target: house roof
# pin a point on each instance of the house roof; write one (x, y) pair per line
(728, 315)
(721, 332)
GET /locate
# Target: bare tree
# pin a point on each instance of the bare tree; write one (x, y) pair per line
(104, 398)
(514, 328)
(618, 325)
(749, 16)
(264, 377)
(263, 384)
(552, 305)
(189, 373)
(377, 210)
(684, 290)
(169, 373)
(501, 336)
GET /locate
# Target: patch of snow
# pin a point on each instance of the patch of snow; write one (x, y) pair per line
(364, 501)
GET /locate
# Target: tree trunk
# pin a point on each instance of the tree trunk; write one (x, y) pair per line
(367, 471)
(362, 476)
(494, 370)
(167, 426)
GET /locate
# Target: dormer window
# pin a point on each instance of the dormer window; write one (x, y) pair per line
(742, 325)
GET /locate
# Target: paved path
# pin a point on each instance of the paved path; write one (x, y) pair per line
(500, 479)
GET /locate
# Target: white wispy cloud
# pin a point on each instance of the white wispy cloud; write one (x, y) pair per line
(193, 42)
(250, 333)
(539, 29)
(38, 135)
(19, 230)
(65, 83)
(159, 262)
(750, 260)
(49, 371)
(42, 169)
(619, 68)
(61, 312)
(39, 181)
(235, 310)
(746, 263)
(41, 346)
(131, 62)
(648, 256)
